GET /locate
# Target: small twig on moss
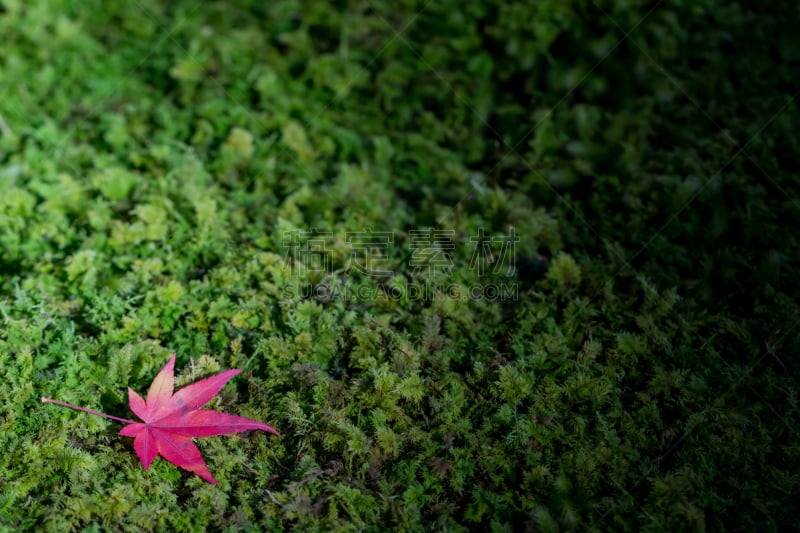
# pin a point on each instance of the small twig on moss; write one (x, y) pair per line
(4, 129)
(771, 351)
(259, 474)
(273, 498)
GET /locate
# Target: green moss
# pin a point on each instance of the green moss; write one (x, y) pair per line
(604, 342)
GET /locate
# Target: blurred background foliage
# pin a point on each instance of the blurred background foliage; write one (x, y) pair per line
(153, 156)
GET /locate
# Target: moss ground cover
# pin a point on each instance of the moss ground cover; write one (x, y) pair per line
(495, 265)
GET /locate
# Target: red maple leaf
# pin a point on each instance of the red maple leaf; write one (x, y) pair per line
(169, 421)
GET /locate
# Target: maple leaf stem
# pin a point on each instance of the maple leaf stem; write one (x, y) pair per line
(85, 410)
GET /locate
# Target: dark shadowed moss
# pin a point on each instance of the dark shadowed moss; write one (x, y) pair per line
(633, 370)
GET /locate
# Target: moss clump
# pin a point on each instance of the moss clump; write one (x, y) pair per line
(502, 271)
